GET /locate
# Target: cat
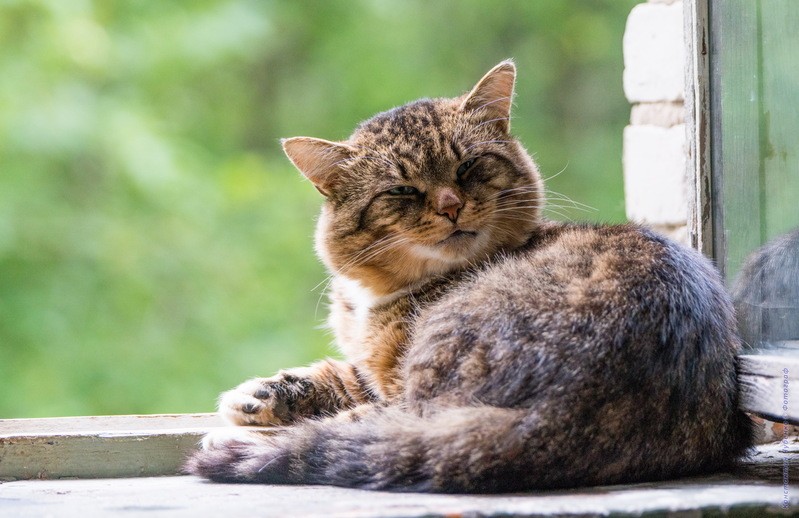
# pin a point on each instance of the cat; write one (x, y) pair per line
(766, 293)
(488, 349)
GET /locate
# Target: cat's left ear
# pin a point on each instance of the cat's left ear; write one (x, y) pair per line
(319, 160)
(492, 96)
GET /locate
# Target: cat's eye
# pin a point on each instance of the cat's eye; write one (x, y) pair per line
(403, 190)
(465, 167)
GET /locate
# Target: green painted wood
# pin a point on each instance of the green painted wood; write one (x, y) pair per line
(100, 447)
(755, 87)
(95, 456)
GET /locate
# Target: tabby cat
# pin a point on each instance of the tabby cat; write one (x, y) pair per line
(487, 349)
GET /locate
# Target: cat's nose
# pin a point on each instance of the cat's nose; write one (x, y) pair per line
(447, 203)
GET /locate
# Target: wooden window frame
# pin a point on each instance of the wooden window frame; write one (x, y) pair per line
(125, 446)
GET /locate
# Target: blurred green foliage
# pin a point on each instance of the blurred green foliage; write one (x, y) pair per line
(155, 246)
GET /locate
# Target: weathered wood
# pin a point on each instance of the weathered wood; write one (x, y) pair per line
(95, 456)
(772, 461)
(769, 386)
(100, 446)
(107, 423)
(771, 365)
(177, 497)
(697, 119)
(126, 446)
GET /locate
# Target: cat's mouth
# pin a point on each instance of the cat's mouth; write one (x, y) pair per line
(457, 236)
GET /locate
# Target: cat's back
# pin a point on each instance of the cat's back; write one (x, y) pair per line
(601, 268)
(586, 306)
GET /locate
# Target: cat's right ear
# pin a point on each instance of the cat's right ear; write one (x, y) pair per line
(492, 96)
(319, 160)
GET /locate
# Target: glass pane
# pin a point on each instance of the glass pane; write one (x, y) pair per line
(755, 99)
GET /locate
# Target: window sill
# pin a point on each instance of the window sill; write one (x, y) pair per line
(99, 446)
(763, 377)
(157, 445)
(189, 496)
(134, 450)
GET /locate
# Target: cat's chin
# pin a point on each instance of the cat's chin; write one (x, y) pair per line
(460, 247)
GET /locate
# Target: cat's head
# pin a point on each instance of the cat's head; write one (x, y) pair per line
(423, 189)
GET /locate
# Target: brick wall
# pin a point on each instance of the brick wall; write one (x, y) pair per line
(655, 149)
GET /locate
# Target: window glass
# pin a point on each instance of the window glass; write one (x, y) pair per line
(755, 150)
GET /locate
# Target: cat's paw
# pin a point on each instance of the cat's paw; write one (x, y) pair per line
(279, 400)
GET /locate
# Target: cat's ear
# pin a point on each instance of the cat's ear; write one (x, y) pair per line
(492, 96)
(319, 160)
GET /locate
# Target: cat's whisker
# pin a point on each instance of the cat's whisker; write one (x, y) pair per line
(322, 294)
(518, 203)
(364, 257)
(515, 191)
(323, 281)
(519, 208)
(571, 202)
(492, 120)
(566, 198)
(562, 215)
(550, 196)
(556, 174)
(519, 198)
(483, 106)
(487, 142)
(375, 249)
(568, 207)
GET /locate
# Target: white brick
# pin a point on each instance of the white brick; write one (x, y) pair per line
(666, 114)
(654, 174)
(678, 233)
(653, 53)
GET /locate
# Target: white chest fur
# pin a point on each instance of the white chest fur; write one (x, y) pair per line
(351, 312)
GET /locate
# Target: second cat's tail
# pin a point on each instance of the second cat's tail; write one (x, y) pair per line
(460, 450)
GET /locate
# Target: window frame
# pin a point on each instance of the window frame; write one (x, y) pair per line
(767, 378)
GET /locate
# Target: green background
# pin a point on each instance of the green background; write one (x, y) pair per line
(155, 245)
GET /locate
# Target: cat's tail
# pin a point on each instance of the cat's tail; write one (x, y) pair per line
(460, 450)
(455, 450)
